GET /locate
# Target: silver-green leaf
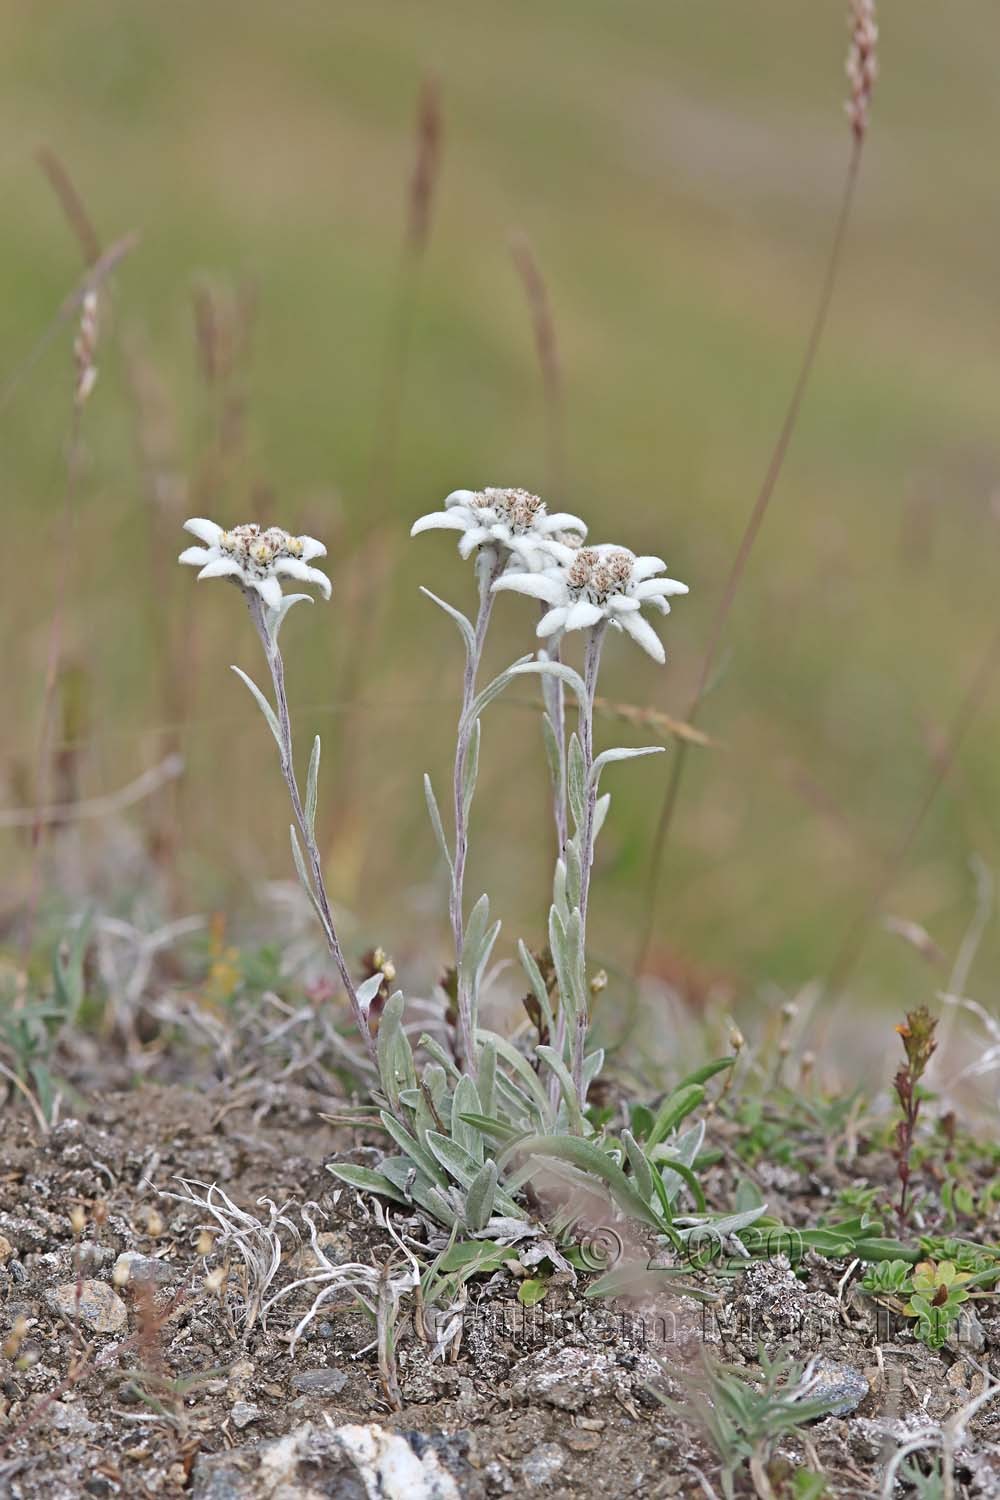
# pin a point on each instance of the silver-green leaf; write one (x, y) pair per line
(263, 705)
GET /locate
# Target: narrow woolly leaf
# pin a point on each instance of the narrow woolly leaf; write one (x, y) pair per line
(467, 1101)
(552, 754)
(553, 669)
(640, 1166)
(566, 1084)
(435, 817)
(672, 1111)
(303, 874)
(609, 756)
(497, 1130)
(574, 872)
(367, 1181)
(492, 690)
(685, 1150)
(395, 1057)
(576, 780)
(275, 618)
(465, 626)
(538, 987)
(312, 787)
(600, 813)
(591, 1159)
(367, 991)
(486, 1081)
(475, 933)
(417, 1152)
(592, 1065)
(263, 705)
(560, 900)
(434, 1049)
(520, 1065)
(481, 1196)
(707, 1071)
(465, 1169)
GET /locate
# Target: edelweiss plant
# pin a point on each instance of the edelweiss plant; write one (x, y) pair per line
(471, 1127)
(256, 561)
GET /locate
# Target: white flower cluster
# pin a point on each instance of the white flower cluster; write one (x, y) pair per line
(514, 522)
(547, 560)
(256, 559)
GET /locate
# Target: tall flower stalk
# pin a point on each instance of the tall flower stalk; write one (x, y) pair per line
(256, 561)
(304, 812)
(592, 665)
(588, 589)
(490, 565)
(503, 529)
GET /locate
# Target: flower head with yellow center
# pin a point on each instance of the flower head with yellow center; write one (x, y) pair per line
(586, 585)
(255, 558)
(512, 523)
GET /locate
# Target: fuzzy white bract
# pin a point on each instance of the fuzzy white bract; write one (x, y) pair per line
(514, 521)
(590, 584)
(256, 559)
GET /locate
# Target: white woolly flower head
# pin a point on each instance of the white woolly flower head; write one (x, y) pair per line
(256, 558)
(586, 585)
(512, 522)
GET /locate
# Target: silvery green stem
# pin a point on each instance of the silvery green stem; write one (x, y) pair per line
(592, 662)
(276, 667)
(554, 696)
(488, 574)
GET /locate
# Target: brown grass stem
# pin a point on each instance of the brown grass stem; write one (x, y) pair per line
(547, 348)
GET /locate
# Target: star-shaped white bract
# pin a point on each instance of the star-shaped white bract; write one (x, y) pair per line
(512, 520)
(590, 584)
(256, 559)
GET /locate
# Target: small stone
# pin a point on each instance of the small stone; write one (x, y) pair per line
(131, 1268)
(967, 1335)
(841, 1384)
(6, 1249)
(582, 1442)
(542, 1464)
(243, 1413)
(94, 1302)
(352, 1462)
(319, 1382)
(70, 1417)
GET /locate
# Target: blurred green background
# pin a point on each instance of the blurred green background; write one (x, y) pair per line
(677, 169)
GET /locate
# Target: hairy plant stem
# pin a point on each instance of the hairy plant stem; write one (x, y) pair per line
(591, 667)
(754, 522)
(488, 572)
(554, 697)
(276, 666)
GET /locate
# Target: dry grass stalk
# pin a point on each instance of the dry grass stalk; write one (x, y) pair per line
(429, 135)
(660, 723)
(543, 324)
(84, 351)
(94, 280)
(862, 65)
(72, 204)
